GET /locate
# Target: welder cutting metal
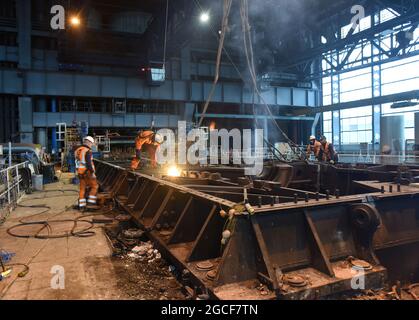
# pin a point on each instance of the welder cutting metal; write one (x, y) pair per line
(146, 141)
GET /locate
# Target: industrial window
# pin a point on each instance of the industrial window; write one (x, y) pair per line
(327, 91)
(409, 117)
(356, 125)
(327, 125)
(355, 85)
(388, 14)
(400, 76)
(364, 24)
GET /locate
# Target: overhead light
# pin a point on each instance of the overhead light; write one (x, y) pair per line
(75, 21)
(204, 18)
(323, 39)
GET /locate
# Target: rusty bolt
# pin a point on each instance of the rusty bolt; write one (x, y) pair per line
(317, 196)
(272, 201)
(295, 198)
(327, 194)
(306, 197)
(390, 188)
(399, 187)
(259, 202)
(337, 193)
(382, 189)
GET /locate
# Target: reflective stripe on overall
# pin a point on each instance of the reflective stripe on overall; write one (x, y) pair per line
(85, 177)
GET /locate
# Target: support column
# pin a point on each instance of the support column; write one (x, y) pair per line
(23, 14)
(185, 65)
(25, 119)
(41, 133)
(336, 114)
(188, 112)
(376, 109)
(54, 145)
(41, 137)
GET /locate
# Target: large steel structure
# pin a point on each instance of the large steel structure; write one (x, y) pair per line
(306, 231)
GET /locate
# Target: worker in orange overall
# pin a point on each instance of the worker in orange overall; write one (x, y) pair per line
(87, 174)
(148, 141)
(314, 147)
(328, 152)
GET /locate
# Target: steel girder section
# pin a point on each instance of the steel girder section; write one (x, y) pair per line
(303, 250)
(49, 83)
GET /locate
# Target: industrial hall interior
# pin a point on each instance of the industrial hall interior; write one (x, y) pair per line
(215, 150)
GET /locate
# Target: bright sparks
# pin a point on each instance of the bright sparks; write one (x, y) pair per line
(174, 172)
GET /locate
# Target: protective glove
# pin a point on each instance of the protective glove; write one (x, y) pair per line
(332, 162)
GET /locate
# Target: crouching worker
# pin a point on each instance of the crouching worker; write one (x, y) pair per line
(146, 141)
(328, 152)
(87, 174)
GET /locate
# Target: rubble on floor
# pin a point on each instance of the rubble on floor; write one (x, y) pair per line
(142, 273)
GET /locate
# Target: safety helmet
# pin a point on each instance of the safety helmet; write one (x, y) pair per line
(158, 138)
(312, 138)
(89, 138)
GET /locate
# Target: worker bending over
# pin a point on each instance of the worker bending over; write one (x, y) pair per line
(146, 141)
(327, 151)
(86, 173)
(314, 147)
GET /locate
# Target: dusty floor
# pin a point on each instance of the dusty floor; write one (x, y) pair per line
(119, 277)
(79, 258)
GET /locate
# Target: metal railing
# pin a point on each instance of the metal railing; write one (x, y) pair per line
(10, 191)
(379, 159)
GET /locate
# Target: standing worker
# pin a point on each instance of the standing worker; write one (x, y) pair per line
(327, 151)
(149, 141)
(314, 147)
(87, 173)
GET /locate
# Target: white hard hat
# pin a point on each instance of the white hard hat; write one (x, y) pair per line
(312, 138)
(158, 138)
(90, 139)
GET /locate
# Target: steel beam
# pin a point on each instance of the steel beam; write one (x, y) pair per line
(301, 250)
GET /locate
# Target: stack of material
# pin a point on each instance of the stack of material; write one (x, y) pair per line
(145, 251)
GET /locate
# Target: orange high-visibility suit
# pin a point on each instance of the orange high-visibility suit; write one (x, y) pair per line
(145, 143)
(315, 148)
(86, 173)
(328, 153)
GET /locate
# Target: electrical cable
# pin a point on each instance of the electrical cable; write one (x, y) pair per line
(248, 49)
(300, 154)
(165, 35)
(226, 13)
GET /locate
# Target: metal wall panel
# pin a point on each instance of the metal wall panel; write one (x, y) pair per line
(299, 97)
(49, 119)
(89, 85)
(284, 96)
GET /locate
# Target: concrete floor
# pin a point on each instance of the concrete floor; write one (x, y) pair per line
(81, 258)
